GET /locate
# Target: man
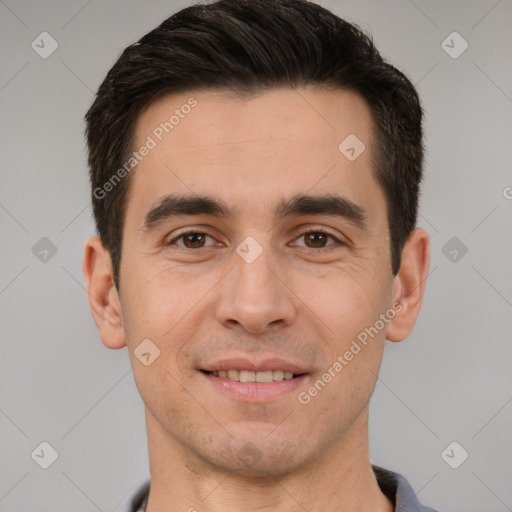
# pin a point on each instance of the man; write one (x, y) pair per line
(255, 171)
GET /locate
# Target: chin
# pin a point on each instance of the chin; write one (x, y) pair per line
(265, 460)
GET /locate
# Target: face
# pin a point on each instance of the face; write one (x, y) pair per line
(253, 245)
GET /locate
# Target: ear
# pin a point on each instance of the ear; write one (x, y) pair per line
(409, 284)
(103, 298)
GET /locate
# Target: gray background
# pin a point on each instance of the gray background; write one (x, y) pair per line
(450, 381)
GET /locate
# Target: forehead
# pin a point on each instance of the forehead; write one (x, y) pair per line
(283, 142)
(311, 116)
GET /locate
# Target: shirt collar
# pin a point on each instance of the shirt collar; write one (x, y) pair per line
(399, 491)
(392, 484)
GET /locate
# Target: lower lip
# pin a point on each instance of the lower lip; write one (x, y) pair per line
(255, 391)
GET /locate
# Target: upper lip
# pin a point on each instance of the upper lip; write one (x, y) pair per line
(255, 366)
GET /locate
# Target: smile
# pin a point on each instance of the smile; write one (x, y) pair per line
(254, 387)
(251, 376)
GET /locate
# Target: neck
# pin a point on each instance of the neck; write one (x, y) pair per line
(341, 479)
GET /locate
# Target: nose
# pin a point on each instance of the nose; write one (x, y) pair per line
(255, 296)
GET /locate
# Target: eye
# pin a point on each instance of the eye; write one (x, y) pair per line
(312, 239)
(317, 239)
(191, 240)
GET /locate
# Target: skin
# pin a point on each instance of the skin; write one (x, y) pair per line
(298, 301)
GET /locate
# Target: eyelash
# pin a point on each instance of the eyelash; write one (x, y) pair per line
(304, 233)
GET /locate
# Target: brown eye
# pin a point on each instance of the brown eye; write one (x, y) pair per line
(315, 240)
(191, 240)
(194, 240)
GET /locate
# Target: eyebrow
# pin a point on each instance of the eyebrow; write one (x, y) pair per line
(172, 206)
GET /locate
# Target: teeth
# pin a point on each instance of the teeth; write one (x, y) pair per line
(278, 375)
(264, 376)
(233, 374)
(246, 376)
(250, 376)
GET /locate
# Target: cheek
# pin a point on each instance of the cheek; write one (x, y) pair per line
(156, 301)
(162, 392)
(344, 300)
(167, 309)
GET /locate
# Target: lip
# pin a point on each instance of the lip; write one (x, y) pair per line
(255, 366)
(254, 391)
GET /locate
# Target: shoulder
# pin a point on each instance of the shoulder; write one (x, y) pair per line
(135, 502)
(399, 490)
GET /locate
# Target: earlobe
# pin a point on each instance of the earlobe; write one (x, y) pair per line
(409, 284)
(102, 295)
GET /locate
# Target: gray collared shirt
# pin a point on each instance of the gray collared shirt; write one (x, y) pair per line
(392, 484)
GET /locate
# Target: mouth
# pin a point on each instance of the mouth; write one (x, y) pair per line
(253, 376)
(248, 381)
